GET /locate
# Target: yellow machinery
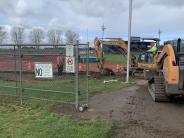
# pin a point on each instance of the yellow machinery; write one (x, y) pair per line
(165, 73)
(118, 43)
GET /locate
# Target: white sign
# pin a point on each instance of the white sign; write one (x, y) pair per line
(43, 70)
(70, 64)
(69, 50)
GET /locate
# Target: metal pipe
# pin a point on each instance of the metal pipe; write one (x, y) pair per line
(129, 39)
(20, 73)
(15, 68)
(34, 45)
(77, 75)
(87, 75)
(42, 99)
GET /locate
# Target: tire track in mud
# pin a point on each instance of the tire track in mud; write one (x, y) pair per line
(130, 127)
(137, 123)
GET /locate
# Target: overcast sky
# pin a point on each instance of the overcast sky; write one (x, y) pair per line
(80, 15)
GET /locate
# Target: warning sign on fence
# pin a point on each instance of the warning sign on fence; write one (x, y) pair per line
(43, 70)
(70, 64)
(69, 50)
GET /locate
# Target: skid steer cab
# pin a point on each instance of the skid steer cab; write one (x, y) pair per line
(147, 62)
(148, 57)
(145, 58)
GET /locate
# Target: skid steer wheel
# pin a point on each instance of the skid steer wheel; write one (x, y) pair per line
(82, 107)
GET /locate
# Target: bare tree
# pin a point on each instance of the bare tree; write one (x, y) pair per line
(37, 36)
(17, 35)
(54, 36)
(71, 37)
(3, 34)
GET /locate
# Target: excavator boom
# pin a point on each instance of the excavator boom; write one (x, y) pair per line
(115, 42)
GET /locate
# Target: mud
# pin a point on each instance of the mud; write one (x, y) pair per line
(134, 114)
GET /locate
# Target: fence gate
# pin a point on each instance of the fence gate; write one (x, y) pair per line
(46, 72)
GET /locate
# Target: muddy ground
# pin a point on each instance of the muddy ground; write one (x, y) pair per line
(135, 115)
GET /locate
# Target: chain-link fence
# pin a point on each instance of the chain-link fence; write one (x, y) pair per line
(45, 72)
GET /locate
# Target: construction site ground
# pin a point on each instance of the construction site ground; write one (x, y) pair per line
(134, 114)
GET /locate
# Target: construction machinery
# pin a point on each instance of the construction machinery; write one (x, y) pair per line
(142, 65)
(119, 46)
(114, 44)
(165, 71)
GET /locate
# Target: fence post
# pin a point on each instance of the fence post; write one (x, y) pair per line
(15, 67)
(77, 75)
(20, 73)
(87, 75)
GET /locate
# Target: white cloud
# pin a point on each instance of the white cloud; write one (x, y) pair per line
(80, 15)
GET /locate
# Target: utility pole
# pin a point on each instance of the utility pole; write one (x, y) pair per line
(103, 31)
(159, 34)
(129, 39)
(87, 34)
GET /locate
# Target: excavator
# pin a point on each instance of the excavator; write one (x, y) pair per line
(119, 46)
(115, 44)
(165, 73)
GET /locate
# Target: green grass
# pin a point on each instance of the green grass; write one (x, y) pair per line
(115, 58)
(21, 122)
(96, 86)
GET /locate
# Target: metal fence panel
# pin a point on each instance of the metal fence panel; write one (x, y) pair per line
(18, 64)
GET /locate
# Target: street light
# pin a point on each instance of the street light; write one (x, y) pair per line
(129, 39)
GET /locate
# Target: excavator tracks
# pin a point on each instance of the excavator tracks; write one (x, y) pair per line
(157, 89)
